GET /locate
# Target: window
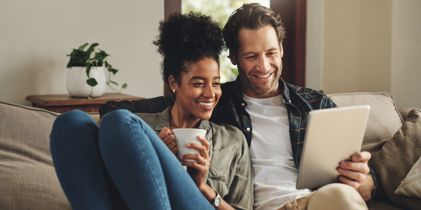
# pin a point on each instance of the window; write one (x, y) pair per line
(219, 11)
(293, 13)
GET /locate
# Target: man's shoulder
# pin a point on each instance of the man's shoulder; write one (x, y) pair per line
(317, 98)
(306, 93)
(230, 87)
(147, 105)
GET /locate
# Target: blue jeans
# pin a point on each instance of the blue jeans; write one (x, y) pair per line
(122, 164)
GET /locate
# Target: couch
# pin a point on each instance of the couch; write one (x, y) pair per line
(28, 179)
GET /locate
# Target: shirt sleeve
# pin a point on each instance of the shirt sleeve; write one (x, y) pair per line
(240, 193)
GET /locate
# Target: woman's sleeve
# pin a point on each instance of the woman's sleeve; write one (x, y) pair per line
(240, 193)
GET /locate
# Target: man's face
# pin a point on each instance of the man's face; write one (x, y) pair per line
(259, 61)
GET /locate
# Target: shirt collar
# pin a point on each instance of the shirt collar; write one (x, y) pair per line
(164, 121)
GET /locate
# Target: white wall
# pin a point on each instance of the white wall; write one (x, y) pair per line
(365, 46)
(37, 34)
(406, 52)
(357, 45)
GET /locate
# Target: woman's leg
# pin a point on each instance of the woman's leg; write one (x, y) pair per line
(80, 169)
(144, 170)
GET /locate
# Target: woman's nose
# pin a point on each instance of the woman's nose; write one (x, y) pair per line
(209, 91)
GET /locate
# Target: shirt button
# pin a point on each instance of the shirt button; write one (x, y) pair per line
(248, 129)
(243, 104)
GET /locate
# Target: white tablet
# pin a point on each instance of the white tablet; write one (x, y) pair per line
(332, 135)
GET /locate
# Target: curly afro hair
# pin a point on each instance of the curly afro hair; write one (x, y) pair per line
(185, 39)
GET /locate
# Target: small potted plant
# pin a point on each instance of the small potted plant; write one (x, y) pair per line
(90, 72)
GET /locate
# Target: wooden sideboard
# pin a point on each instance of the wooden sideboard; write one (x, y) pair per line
(64, 103)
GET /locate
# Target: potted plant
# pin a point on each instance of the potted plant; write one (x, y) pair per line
(90, 72)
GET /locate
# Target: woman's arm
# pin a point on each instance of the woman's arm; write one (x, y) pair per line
(201, 164)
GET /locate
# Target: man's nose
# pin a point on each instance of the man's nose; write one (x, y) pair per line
(264, 64)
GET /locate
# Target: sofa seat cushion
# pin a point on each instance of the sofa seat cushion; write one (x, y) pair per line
(27, 177)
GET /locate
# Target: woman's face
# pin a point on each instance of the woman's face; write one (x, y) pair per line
(199, 89)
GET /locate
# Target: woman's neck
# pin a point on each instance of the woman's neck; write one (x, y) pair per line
(180, 119)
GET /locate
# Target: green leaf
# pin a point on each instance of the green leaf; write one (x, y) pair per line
(88, 71)
(82, 47)
(113, 82)
(91, 82)
(114, 71)
(91, 48)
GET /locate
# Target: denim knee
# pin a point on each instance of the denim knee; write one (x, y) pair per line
(70, 124)
(120, 118)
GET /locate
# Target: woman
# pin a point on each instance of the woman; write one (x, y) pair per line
(124, 163)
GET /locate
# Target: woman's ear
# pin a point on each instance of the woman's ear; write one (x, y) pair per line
(172, 83)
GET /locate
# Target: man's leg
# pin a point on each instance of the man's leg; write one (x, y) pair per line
(330, 197)
(336, 196)
(144, 170)
(78, 164)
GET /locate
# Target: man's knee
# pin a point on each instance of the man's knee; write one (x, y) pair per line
(336, 196)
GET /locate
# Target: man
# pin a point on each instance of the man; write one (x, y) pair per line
(273, 115)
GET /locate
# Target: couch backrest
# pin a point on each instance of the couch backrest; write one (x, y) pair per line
(384, 119)
(27, 177)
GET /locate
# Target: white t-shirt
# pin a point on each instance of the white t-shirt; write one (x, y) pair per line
(274, 170)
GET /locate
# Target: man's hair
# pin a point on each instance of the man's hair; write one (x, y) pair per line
(251, 16)
(185, 39)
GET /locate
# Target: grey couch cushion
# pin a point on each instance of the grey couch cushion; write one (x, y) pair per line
(27, 177)
(396, 158)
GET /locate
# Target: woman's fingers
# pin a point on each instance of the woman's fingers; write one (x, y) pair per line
(167, 136)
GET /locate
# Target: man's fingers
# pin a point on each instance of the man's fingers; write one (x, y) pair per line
(360, 167)
(361, 157)
(349, 182)
(353, 175)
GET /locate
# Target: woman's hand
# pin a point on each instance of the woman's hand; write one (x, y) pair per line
(168, 138)
(200, 162)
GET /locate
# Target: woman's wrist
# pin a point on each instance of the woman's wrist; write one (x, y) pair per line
(208, 192)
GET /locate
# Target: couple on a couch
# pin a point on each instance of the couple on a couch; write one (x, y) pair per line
(130, 162)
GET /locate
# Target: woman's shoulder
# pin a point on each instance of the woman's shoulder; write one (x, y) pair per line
(150, 118)
(227, 134)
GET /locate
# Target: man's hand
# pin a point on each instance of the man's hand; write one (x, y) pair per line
(355, 173)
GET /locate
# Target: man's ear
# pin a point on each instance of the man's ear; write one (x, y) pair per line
(233, 58)
(281, 49)
(172, 83)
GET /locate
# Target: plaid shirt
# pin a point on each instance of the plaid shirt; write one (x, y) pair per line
(299, 101)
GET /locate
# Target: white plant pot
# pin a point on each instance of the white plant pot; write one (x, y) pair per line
(76, 81)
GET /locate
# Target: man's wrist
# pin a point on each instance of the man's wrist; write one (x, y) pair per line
(374, 178)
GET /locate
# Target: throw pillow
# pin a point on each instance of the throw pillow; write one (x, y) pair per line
(411, 185)
(384, 119)
(395, 159)
(27, 177)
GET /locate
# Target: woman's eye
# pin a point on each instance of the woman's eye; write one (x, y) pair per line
(198, 84)
(215, 84)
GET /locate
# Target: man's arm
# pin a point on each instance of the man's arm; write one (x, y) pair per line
(150, 105)
(356, 173)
